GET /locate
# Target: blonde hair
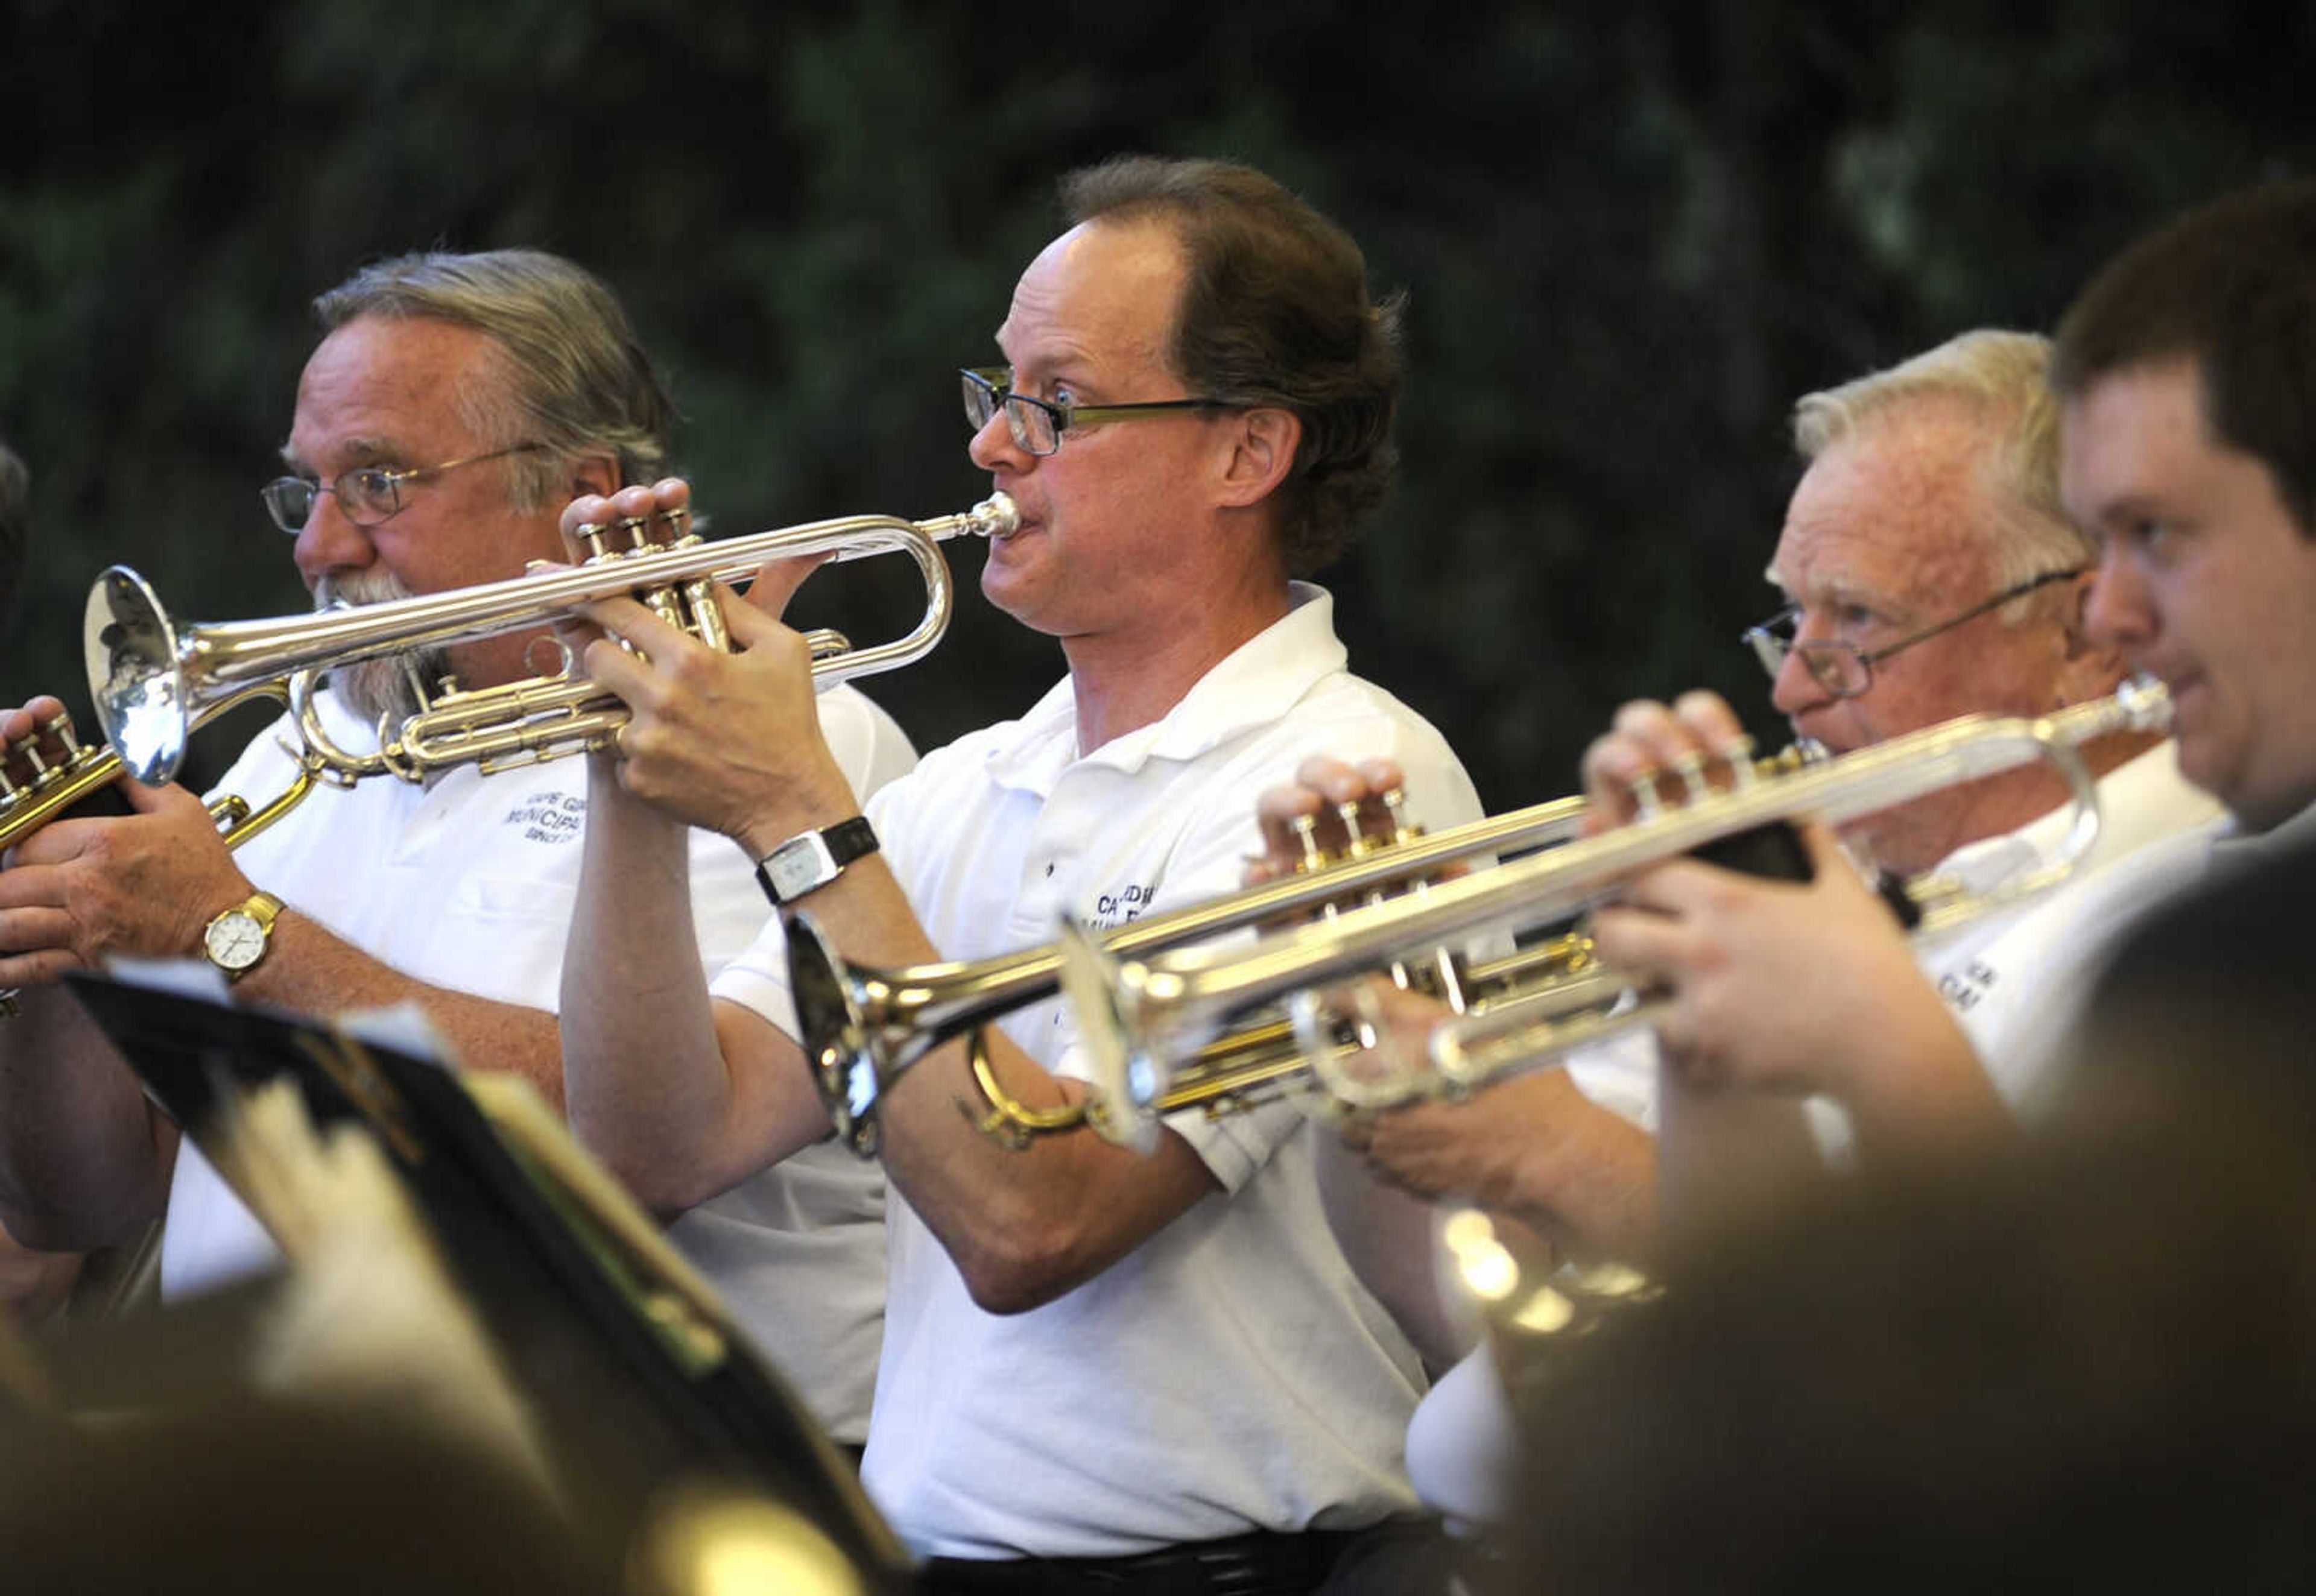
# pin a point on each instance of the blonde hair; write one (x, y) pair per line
(2003, 379)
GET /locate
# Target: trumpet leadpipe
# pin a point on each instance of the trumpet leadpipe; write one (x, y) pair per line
(149, 673)
(1162, 1010)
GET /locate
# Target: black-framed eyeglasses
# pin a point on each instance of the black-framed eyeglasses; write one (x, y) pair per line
(1845, 670)
(366, 495)
(1039, 425)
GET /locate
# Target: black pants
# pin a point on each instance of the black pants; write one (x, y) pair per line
(1399, 1558)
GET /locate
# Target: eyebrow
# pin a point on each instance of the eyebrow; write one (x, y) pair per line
(360, 452)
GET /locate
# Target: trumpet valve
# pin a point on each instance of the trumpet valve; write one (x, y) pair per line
(1306, 837)
(1395, 805)
(1356, 843)
(1690, 770)
(1646, 804)
(1743, 771)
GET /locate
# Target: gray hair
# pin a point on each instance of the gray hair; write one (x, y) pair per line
(2003, 379)
(572, 376)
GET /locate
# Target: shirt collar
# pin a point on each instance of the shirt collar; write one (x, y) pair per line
(1252, 685)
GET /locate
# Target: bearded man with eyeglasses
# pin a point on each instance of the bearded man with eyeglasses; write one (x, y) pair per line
(454, 404)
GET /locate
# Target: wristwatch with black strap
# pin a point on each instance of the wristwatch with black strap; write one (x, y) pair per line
(810, 860)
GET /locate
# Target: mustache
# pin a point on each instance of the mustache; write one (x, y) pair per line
(380, 689)
(359, 588)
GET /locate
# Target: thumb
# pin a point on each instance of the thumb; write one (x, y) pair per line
(150, 799)
(777, 582)
(1823, 845)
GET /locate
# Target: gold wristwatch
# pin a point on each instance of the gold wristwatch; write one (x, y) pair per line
(237, 938)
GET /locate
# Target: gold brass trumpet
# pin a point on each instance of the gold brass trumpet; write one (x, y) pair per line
(60, 779)
(1143, 1020)
(1262, 1059)
(863, 1028)
(150, 675)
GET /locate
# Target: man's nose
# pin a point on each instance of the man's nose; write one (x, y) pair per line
(329, 543)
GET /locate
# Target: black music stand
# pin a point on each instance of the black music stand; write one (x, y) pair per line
(636, 1381)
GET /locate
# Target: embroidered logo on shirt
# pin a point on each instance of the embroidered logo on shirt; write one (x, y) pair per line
(550, 817)
(1120, 904)
(1964, 988)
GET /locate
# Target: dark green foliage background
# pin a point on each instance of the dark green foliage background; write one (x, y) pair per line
(1629, 235)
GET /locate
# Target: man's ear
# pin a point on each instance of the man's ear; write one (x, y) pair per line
(1262, 445)
(596, 474)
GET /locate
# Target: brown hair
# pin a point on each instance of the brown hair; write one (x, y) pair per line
(2231, 286)
(1274, 311)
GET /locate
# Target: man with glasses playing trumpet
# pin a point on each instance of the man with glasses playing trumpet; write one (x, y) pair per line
(2183, 373)
(453, 406)
(1101, 1370)
(1930, 573)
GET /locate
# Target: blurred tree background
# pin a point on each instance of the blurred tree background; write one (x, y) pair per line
(1630, 234)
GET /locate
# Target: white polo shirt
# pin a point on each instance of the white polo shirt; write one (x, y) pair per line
(469, 884)
(1230, 1374)
(1997, 970)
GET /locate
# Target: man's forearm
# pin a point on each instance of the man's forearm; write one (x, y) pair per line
(680, 1096)
(1592, 1187)
(85, 1158)
(309, 971)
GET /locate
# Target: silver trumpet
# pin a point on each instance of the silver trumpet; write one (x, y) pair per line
(863, 1028)
(1144, 1020)
(151, 677)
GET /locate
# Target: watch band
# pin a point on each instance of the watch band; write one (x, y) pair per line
(810, 860)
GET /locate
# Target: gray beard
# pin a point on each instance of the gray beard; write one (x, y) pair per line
(379, 688)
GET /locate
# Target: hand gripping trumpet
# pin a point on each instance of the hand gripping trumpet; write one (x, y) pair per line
(50, 783)
(1143, 1019)
(39, 784)
(150, 675)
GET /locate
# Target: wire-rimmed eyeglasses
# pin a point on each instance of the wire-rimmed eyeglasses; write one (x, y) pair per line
(366, 495)
(1845, 670)
(1039, 425)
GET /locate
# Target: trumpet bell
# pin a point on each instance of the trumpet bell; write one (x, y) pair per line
(141, 695)
(1123, 1083)
(831, 1013)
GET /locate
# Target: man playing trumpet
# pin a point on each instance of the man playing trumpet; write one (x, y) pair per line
(454, 404)
(1929, 573)
(2183, 373)
(1100, 1368)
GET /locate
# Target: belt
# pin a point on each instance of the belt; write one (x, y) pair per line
(1261, 1563)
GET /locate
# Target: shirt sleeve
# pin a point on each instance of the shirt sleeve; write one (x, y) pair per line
(752, 969)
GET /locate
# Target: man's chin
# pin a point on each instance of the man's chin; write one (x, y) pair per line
(381, 690)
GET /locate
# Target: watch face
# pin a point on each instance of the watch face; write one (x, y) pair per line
(234, 939)
(800, 864)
